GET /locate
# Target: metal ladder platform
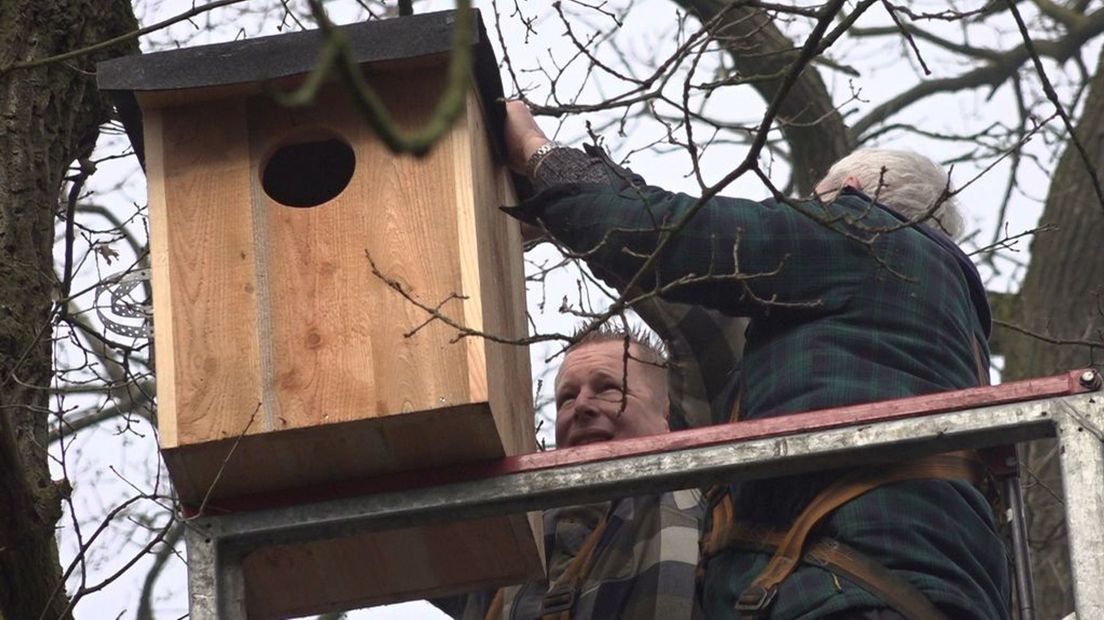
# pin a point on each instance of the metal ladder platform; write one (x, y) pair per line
(1068, 407)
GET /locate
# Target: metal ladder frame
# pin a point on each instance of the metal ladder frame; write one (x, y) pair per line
(1067, 407)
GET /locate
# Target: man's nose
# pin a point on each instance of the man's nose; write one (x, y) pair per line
(587, 405)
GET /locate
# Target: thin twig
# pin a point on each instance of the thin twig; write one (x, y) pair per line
(1090, 168)
(185, 16)
(226, 460)
(1050, 339)
(908, 36)
(337, 57)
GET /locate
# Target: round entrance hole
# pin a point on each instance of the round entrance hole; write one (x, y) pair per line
(308, 172)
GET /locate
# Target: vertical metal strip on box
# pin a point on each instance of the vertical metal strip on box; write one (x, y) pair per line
(258, 207)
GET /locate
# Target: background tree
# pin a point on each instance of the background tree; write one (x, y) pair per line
(50, 117)
(1056, 322)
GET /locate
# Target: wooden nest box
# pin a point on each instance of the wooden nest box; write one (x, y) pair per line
(283, 361)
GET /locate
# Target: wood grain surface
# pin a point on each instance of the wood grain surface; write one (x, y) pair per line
(270, 319)
(284, 363)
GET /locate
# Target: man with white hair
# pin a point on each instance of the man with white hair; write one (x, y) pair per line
(854, 297)
(915, 185)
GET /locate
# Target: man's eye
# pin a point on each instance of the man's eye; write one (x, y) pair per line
(565, 402)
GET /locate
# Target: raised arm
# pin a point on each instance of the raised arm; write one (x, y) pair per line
(737, 256)
(705, 346)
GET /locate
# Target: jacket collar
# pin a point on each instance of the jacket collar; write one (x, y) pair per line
(940, 238)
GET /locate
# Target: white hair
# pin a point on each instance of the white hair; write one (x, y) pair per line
(910, 184)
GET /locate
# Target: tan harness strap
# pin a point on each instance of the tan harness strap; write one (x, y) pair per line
(494, 611)
(757, 598)
(722, 511)
(894, 591)
(788, 549)
(980, 365)
(723, 515)
(560, 598)
(839, 558)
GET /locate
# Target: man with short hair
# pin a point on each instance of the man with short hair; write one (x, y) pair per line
(631, 558)
(610, 386)
(855, 297)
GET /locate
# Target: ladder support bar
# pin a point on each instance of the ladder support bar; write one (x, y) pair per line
(217, 544)
(1082, 461)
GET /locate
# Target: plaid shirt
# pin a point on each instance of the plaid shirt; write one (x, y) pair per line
(846, 305)
(643, 565)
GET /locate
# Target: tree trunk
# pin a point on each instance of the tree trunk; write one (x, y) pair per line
(812, 126)
(49, 116)
(1061, 297)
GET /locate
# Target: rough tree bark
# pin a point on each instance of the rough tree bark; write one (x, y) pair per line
(49, 117)
(1062, 296)
(813, 128)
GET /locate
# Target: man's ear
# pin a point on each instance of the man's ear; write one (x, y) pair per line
(853, 183)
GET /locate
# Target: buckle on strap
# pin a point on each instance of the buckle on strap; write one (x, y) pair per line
(559, 599)
(755, 601)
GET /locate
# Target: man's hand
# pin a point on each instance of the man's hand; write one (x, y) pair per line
(523, 135)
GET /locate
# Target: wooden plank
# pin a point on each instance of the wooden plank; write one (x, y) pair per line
(318, 361)
(205, 294)
(332, 350)
(414, 241)
(497, 258)
(164, 352)
(471, 196)
(308, 458)
(508, 379)
(386, 567)
(293, 366)
(501, 284)
(337, 331)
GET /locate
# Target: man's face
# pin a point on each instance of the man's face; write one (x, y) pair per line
(589, 396)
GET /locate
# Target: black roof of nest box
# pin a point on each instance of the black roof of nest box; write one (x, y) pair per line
(269, 58)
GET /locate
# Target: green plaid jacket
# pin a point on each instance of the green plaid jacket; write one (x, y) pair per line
(846, 304)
